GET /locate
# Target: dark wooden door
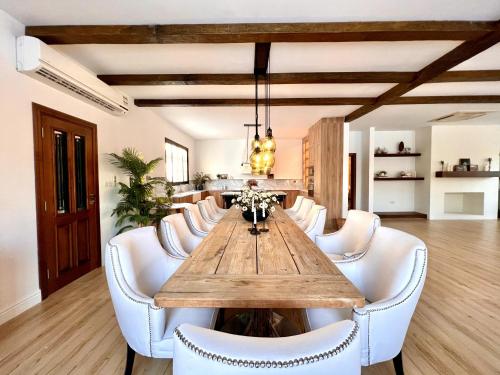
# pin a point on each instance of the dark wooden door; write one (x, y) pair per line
(67, 197)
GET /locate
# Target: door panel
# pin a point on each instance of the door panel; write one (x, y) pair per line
(67, 197)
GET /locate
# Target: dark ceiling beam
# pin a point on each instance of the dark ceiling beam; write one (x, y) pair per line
(463, 52)
(261, 59)
(468, 76)
(315, 101)
(292, 78)
(262, 32)
(452, 99)
(249, 102)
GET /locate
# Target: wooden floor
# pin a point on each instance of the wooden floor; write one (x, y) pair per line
(455, 329)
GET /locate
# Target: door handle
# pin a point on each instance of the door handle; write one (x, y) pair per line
(91, 198)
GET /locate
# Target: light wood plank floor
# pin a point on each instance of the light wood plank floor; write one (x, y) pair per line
(455, 329)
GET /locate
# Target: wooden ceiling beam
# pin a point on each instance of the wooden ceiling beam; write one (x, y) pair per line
(293, 78)
(262, 32)
(315, 101)
(261, 59)
(450, 99)
(250, 102)
(463, 52)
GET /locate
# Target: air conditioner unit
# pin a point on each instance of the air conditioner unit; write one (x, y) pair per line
(44, 63)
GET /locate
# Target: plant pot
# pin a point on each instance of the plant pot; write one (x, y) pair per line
(248, 215)
(199, 187)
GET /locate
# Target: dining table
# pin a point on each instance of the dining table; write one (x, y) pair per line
(279, 268)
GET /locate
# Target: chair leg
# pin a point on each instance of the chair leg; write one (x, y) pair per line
(398, 363)
(130, 360)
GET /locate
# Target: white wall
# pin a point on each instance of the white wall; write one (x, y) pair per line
(226, 155)
(450, 143)
(141, 128)
(394, 196)
(423, 144)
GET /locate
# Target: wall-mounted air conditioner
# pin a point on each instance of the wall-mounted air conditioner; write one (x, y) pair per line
(44, 63)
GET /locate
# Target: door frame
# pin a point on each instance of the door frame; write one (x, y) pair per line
(352, 160)
(37, 111)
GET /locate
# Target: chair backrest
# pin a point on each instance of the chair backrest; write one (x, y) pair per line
(333, 349)
(195, 222)
(213, 203)
(176, 237)
(304, 209)
(206, 211)
(316, 220)
(136, 267)
(358, 230)
(392, 260)
(298, 202)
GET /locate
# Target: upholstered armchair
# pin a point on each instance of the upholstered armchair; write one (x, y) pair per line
(296, 206)
(303, 211)
(176, 237)
(391, 275)
(216, 208)
(330, 350)
(314, 224)
(195, 221)
(207, 213)
(136, 268)
(352, 238)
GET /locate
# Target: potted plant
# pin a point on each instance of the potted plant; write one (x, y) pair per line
(260, 201)
(199, 180)
(138, 206)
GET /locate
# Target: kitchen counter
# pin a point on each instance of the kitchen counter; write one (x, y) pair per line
(233, 193)
(187, 193)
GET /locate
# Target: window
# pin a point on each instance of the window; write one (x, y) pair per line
(177, 162)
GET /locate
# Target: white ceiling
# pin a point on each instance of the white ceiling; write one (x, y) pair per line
(403, 117)
(288, 122)
(94, 12)
(227, 122)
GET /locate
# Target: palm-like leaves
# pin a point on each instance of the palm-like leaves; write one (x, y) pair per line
(137, 206)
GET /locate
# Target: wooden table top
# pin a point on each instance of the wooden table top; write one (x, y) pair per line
(281, 268)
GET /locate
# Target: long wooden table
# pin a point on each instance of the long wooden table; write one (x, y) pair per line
(281, 268)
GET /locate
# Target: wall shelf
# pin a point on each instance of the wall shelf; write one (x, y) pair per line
(401, 215)
(397, 155)
(398, 178)
(468, 174)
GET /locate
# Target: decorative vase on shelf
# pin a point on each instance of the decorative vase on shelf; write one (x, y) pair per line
(248, 215)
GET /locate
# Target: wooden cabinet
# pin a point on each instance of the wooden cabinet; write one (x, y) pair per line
(193, 197)
(204, 194)
(291, 196)
(325, 142)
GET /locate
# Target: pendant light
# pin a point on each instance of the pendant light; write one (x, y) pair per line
(269, 143)
(256, 156)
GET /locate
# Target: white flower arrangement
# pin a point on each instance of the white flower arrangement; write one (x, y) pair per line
(260, 200)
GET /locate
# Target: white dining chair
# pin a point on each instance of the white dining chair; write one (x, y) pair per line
(314, 224)
(207, 213)
(195, 221)
(390, 274)
(176, 237)
(331, 350)
(303, 211)
(296, 206)
(352, 238)
(136, 268)
(216, 208)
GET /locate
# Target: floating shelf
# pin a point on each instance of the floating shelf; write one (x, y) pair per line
(397, 155)
(398, 178)
(469, 174)
(401, 215)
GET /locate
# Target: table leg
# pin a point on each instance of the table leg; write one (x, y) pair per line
(261, 324)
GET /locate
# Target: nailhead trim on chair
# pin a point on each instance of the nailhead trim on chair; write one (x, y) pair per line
(111, 247)
(368, 311)
(269, 364)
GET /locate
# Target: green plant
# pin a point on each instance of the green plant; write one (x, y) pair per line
(138, 206)
(200, 178)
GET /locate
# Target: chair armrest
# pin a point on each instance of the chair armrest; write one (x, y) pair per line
(331, 243)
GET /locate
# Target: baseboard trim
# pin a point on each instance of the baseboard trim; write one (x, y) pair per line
(21, 306)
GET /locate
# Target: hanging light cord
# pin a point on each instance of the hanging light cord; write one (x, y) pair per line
(256, 104)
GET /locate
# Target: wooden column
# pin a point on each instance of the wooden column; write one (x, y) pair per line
(326, 143)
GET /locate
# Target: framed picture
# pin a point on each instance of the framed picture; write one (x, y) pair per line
(464, 161)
